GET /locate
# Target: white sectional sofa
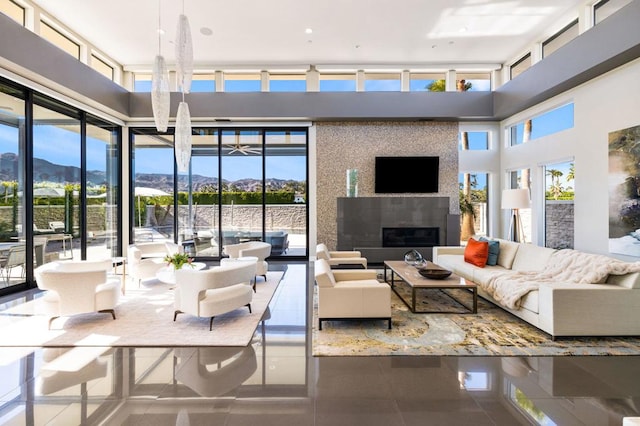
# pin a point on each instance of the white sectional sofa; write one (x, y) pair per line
(558, 306)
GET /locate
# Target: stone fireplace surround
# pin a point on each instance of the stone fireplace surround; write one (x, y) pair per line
(362, 219)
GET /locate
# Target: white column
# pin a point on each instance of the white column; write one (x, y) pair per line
(264, 81)
(360, 81)
(405, 81)
(313, 79)
(450, 81)
(219, 76)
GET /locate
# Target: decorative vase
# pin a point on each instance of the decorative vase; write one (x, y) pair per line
(352, 182)
(413, 258)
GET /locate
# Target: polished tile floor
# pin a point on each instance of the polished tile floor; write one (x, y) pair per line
(275, 381)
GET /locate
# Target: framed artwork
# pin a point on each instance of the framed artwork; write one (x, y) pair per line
(624, 191)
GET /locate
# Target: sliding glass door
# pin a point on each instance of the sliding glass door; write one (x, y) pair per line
(12, 235)
(59, 185)
(244, 184)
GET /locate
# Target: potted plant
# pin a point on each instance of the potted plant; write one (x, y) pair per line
(178, 260)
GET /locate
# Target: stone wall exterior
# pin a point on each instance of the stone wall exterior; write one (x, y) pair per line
(290, 217)
(559, 224)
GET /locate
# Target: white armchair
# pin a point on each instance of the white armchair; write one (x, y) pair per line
(258, 249)
(214, 291)
(341, 258)
(145, 259)
(354, 294)
(76, 287)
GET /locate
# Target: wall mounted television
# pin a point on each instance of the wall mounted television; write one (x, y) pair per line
(394, 175)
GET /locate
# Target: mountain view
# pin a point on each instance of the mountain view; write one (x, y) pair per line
(45, 171)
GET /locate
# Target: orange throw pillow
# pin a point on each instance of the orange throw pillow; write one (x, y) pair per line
(476, 252)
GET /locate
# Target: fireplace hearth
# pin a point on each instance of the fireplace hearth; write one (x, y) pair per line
(408, 222)
(410, 237)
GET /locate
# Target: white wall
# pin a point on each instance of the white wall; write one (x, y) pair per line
(607, 103)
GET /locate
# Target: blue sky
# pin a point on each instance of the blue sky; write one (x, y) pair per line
(300, 85)
(235, 167)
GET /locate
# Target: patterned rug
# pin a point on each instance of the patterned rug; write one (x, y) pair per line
(144, 318)
(492, 331)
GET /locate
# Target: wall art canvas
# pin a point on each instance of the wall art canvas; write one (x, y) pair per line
(624, 191)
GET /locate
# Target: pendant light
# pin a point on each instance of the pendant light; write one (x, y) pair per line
(160, 96)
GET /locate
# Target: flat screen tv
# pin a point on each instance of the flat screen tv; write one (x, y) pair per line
(406, 174)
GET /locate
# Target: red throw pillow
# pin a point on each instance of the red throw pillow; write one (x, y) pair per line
(476, 252)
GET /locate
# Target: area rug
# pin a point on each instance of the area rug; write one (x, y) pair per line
(491, 332)
(144, 319)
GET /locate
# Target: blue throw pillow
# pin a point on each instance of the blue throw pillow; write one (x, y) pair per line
(494, 251)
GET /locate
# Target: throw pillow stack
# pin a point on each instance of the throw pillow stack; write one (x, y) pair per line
(482, 252)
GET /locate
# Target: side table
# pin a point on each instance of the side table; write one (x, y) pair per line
(120, 261)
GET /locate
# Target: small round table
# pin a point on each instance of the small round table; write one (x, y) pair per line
(229, 261)
(167, 274)
(120, 261)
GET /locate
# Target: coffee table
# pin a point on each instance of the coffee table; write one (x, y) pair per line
(409, 274)
(167, 274)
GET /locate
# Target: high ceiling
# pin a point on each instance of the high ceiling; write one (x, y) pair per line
(345, 33)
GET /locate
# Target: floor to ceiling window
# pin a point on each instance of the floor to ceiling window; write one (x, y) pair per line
(242, 171)
(56, 179)
(286, 191)
(152, 214)
(59, 185)
(12, 244)
(103, 188)
(244, 184)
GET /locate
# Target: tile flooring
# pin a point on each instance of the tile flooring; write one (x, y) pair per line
(275, 381)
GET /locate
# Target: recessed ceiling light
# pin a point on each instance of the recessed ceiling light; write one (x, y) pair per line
(206, 31)
(433, 46)
(308, 31)
(160, 31)
(463, 29)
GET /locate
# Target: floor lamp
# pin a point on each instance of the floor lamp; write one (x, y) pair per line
(516, 199)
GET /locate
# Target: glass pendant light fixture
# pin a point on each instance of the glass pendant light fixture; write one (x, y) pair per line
(184, 71)
(184, 53)
(182, 137)
(160, 96)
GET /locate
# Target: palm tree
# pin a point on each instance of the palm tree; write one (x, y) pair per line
(556, 188)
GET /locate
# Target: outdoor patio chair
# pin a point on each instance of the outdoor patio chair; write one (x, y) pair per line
(15, 258)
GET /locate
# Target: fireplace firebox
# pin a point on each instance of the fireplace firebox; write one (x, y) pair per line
(410, 237)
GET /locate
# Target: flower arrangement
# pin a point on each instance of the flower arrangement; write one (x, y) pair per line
(178, 260)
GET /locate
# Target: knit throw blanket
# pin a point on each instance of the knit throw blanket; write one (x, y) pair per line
(566, 266)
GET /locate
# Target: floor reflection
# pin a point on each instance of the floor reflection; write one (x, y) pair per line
(275, 381)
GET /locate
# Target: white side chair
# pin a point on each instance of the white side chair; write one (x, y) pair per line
(343, 258)
(258, 249)
(214, 291)
(351, 294)
(139, 268)
(77, 287)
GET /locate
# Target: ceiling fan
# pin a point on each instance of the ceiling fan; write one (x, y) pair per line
(242, 149)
